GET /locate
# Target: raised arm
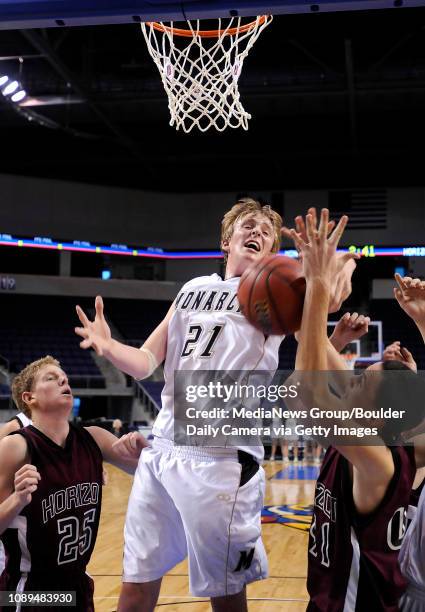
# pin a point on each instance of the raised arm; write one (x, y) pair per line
(410, 294)
(373, 466)
(340, 284)
(139, 363)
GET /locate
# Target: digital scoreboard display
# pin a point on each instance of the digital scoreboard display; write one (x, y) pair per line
(83, 246)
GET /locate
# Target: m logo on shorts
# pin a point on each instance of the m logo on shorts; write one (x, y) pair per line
(245, 560)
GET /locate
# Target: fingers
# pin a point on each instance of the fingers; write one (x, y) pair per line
(99, 306)
(398, 294)
(401, 282)
(407, 282)
(392, 355)
(85, 344)
(130, 445)
(323, 226)
(27, 469)
(81, 331)
(311, 229)
(285, 231)
(142, 442)
(408, 359)
(407, 355)
(84, 333)
(331, 225)
(392, 349)
(312, 211)
(300, 227)
(291, 234)
(82, 316)
(394, 346)
(27, 479)
(346, 257)
(363, 321)
(298, 241)
(357, 321)
(338, 231)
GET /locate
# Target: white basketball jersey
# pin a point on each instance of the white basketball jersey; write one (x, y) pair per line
(207, 331)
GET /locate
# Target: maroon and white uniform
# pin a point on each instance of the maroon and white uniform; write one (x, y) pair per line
(353, 558)
(50, 543)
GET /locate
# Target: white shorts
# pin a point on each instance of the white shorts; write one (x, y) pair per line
(187, 501)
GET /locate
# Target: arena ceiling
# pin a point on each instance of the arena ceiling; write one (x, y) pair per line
(337, 99)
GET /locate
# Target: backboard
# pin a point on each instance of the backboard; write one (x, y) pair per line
(371, 345)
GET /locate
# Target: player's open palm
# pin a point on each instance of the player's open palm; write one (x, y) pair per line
(26, 482)
(319, 253)
(344, 265)
(410, 294)
(96, 334)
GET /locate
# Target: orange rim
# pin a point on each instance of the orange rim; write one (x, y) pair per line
(156, 25)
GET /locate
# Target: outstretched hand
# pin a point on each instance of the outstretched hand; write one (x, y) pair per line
(349, 328)
(410, 294)
(96, 334)
(300, 225)
(318, 248)
(340, 287)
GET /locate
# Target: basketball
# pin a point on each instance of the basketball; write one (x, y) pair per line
(271, 295)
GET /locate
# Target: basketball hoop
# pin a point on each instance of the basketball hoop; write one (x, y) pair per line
(200, 70)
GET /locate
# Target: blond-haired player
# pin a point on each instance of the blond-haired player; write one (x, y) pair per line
(200, 502)
(50, 488)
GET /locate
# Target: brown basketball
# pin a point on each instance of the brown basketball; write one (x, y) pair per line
(271, 295)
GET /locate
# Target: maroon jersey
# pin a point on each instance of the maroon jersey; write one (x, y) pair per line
(353, 558)
(50, 543)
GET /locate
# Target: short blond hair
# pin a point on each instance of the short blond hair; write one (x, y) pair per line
(248, 206)
(24, 381)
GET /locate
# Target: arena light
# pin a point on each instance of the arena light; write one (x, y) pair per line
(3, 79)
(10, 89)
(19, 95)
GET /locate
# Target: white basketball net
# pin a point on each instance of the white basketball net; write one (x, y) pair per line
(200, 74)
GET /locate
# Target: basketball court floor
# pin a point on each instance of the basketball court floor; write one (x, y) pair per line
(286, 520)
